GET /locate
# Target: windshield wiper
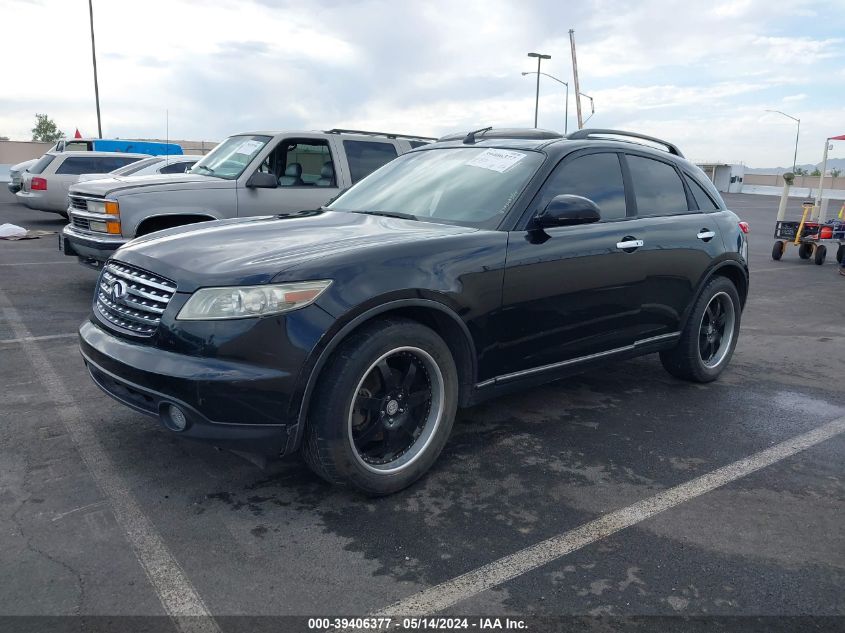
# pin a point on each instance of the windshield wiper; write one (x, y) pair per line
(208, 169)
(390, 214)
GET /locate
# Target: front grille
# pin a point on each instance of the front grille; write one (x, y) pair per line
(81, 223)
(78, 203)
(132, 300)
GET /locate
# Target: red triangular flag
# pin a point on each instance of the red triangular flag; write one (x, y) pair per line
(77, 135)
(838, 138)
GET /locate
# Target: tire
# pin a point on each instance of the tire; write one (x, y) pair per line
(805, 251)
(777, 250)
(821, 253)
(361, 405)
(687, 360)
(840, 253)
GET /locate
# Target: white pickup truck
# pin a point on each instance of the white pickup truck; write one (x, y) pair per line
(258, 173)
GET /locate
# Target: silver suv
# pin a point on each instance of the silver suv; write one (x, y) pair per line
(259, 173)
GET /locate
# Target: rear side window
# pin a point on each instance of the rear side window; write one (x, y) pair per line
(76, 165)
(42, 164)
(366, 156)
(657, 187)
(416, 144)
(702, 199)
(594, 176)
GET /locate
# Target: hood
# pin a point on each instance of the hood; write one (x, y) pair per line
(254, 250)
(111, 185)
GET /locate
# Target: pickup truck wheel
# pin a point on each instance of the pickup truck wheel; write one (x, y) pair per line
(383, 408)
(709, 338)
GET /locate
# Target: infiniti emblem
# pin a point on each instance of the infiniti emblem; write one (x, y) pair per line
(118, 290)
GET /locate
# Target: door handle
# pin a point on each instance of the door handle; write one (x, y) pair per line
(706, 235)
(629, 244)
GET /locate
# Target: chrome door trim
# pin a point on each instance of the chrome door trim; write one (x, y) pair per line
(575, 361)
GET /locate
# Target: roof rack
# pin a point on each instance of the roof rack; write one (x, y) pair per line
(589, 133)
(387, 134)
(505, 133)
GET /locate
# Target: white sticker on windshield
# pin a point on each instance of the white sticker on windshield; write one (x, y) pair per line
(499, 160)
(248, 147)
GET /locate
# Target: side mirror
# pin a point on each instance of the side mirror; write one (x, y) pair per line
(262, 180)
(568, 210)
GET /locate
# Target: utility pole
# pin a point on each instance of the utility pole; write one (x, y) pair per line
(94, 58)
(575, 77)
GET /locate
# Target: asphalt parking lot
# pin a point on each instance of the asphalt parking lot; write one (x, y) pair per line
(105, 513)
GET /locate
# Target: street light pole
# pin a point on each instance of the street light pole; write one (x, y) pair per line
(94, 58)
(566, 106)
(797, 133)
(540, 57)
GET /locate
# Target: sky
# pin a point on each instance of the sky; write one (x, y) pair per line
(700, 74)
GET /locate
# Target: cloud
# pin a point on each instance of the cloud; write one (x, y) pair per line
(700, 72)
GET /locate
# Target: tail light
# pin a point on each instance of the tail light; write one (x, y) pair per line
(743, 226)
(38, 184)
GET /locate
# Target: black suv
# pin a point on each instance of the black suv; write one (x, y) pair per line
(485, 262)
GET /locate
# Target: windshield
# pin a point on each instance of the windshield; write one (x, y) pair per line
(472, 186)
(133, 168)
(229, 159)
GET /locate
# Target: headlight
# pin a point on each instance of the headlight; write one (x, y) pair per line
(250, 301)
(103, 206)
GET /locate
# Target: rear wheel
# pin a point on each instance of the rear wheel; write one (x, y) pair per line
(821, 253)
(709, 338)
(383, 408)
(805, 251)
(777, 250)
(840, 253)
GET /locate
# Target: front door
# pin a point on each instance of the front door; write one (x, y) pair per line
(572, 291)
(305, 171)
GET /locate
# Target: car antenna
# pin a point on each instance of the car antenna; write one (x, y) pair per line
(469, 139)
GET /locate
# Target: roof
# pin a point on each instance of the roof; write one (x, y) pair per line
(95, 153)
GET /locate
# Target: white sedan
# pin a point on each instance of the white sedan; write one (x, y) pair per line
(171, 164)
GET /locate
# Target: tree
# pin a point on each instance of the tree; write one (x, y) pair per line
(4, 138)
(800, 171)
(45, 129)
(835, 172)
(816, 172)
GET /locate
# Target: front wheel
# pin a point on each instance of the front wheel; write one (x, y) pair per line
(383, 408)
(821, 253)
(709, 337)
(777, 250)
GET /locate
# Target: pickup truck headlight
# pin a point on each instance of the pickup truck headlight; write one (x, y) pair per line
(103, 206)
(238, 302)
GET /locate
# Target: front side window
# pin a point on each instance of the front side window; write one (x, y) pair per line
(42, 164)
(471, 186)
(365, 157)
(594, 176)
(657, 187)
(300, 163)
(175, 168)
(230, 158)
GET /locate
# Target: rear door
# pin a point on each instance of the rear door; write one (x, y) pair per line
(679, 240)
(569, 291)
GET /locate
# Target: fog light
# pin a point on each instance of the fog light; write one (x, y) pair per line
(174, 418)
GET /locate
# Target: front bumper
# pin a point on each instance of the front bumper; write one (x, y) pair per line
(92, 250)
(219, 398)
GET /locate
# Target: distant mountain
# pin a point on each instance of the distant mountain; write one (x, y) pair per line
(832, 163)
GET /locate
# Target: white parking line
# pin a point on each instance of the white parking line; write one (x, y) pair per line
(28, 339)
(178, 596)
(779, 269)
(34, 263)
(500, 571)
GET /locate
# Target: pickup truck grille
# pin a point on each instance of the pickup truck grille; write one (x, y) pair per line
(131, 300)
(79, 203)
(81, 223)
